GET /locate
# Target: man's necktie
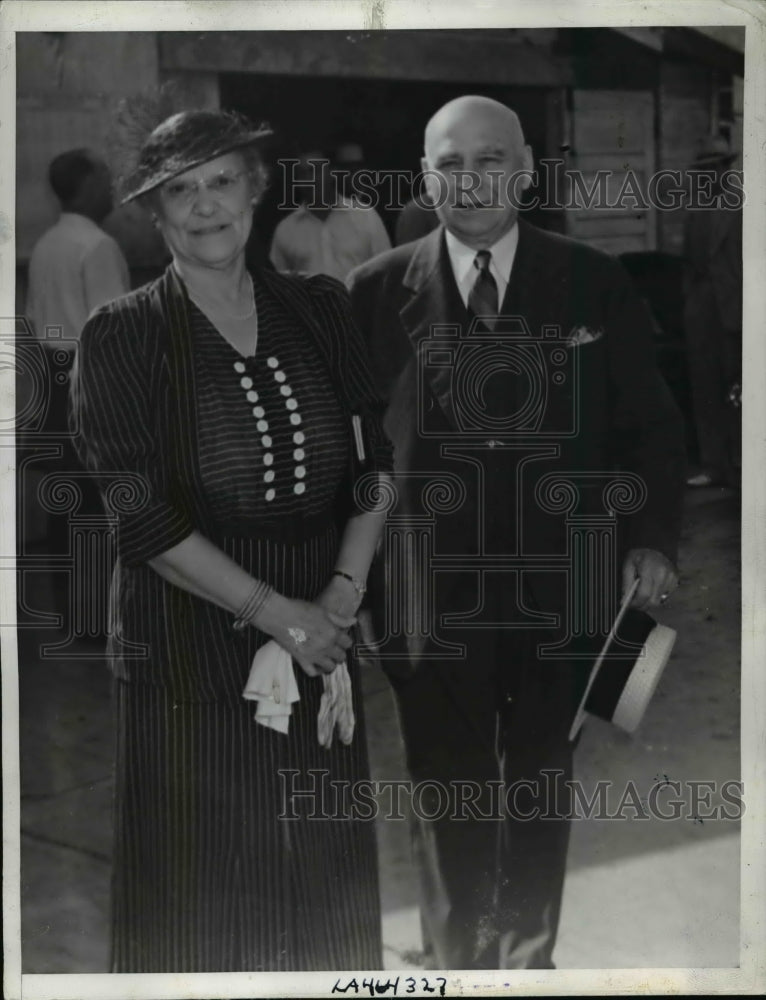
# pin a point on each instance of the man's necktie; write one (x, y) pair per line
(482, 299)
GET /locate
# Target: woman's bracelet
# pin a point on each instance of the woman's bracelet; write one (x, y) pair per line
(358, 585)
(258, 596)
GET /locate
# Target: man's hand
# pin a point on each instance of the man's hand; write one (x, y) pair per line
(657, 574)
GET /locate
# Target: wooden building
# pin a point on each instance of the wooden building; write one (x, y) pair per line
(627, 100)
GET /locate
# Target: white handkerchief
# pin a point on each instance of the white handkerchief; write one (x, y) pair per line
(272, 684)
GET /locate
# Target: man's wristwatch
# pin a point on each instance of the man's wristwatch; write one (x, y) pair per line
(358, 585)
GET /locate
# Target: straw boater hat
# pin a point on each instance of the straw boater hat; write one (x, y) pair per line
(185, 140)
(626, 672)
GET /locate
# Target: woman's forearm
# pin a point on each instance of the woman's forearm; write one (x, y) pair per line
(359, 542)
(198, 566)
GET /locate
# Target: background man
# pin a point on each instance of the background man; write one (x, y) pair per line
(416, 219)
(329, 233)
(75, 266)
(500, 416)
(713, 319)
(348, 162)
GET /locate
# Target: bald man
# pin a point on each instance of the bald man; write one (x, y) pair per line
(510, 359)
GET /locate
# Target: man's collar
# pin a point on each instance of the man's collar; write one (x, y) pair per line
(503, 252)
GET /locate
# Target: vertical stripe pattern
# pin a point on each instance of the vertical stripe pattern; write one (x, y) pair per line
(207, 877)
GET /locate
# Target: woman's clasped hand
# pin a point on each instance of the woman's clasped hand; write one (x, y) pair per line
(316, 637)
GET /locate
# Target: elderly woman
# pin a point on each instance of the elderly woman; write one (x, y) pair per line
(228, 417)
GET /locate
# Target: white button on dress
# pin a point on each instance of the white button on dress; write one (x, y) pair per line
(262, 424)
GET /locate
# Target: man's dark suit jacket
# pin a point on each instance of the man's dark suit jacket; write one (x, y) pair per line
(604, 407)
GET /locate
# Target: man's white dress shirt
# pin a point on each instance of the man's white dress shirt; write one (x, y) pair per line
(74, 268)
(462, 257)
(345, 238)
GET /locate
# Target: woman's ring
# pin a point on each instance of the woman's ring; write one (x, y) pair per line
(297, 635)
(663, 598)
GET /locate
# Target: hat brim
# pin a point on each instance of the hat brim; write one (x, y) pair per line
(639, 686)
(248, 139)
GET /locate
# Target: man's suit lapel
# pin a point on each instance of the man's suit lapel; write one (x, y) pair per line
(434, 299)
(525, 289)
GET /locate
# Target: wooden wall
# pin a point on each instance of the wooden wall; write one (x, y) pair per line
(68, 86)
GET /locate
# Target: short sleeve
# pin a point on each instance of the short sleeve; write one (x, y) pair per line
(115, 433)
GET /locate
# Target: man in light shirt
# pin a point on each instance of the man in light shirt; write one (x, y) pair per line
(329, 233)
(75, 266)
(513, 363)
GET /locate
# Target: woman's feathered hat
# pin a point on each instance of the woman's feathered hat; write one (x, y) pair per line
(164, 145)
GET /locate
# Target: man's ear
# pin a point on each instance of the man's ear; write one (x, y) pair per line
(431, 182)
(527, 166)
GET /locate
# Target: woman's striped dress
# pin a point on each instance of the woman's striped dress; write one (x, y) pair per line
(220, 863)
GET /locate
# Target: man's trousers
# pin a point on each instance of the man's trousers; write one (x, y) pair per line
(488, 753)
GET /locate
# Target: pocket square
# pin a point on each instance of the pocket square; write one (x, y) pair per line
(583, 335)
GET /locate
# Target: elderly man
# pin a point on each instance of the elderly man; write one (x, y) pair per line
(521, 387)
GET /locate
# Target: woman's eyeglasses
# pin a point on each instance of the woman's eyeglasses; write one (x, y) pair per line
(183, 193)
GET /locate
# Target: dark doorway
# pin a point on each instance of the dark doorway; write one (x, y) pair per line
(386, 117)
